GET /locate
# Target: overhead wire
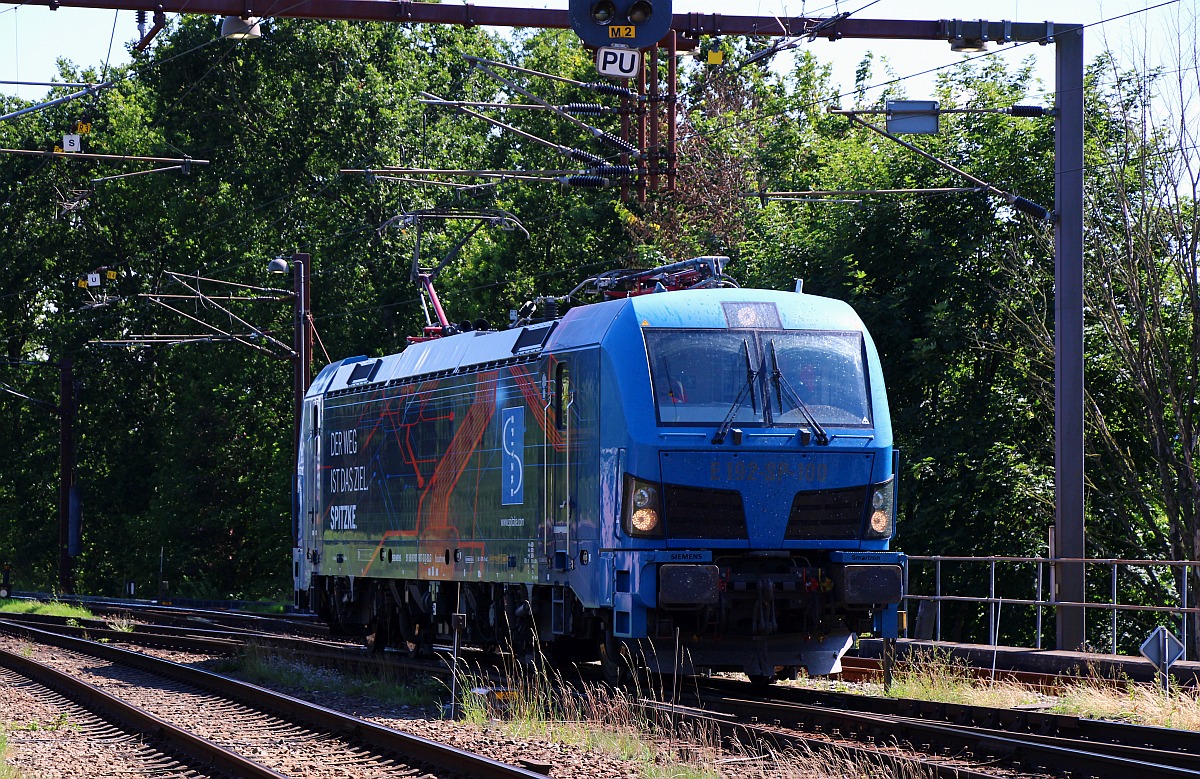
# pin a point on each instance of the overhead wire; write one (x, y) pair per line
(713, 133)
(111, 38)
(876, 86)
(258, 207)
(968, 59)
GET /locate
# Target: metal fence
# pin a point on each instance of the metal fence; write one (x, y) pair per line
(1034, 577)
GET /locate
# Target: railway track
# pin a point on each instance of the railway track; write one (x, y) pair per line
(1018, 740)
(281, 735)
(189, 617)
(225, 642)
(123, 730)
(938, 739)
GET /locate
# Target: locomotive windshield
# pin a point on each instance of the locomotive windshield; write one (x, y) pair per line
(698, 376)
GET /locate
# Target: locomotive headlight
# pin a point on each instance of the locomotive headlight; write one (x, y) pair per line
(879, 524)
(644, 521)
(641, 515)
(644, 497)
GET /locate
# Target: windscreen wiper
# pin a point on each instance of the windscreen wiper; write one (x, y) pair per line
(751, 376)
(781, 383)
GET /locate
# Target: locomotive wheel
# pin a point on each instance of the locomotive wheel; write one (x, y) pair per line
(381, 629)
(376, 638)
(521, 638)
(614, 666)
(527, 654)
(523, 643)
(410, 632)
(620, 668)
(782, 673)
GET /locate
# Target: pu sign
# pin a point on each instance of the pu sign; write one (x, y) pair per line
(618, 63)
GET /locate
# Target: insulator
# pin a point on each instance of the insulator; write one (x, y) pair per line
(585, 156)
(551, 308)
(1027, 110)
(141, 18)
(585, 109)
(620, 143)
(592, 182)
(614, 170)
(1029, 207)
(610, 89)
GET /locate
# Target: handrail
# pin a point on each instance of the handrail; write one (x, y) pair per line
(548, 471)
(567, 448)
(994, 602)
(1087, 560)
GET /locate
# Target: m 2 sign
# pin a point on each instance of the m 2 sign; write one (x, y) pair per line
(512, 471)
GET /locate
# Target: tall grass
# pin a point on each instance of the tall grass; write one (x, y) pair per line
(588, 716)
(540, 703)
(52, 608)
(937, 676)
(1140, 704)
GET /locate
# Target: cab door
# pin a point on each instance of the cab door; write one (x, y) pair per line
(306, 510)
(559, 465)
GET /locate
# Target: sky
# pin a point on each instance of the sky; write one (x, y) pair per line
(32, 38)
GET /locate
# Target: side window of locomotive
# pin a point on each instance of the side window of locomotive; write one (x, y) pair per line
(826, 371)
(697, 375)
(562, 397)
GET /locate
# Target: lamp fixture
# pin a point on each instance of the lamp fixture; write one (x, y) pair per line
(277, 265)
(968, 45)
(240, 28)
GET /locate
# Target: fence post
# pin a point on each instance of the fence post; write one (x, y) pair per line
(1183, 617)
(937, 591)
(992, 605)
(1053, 574)
(1114, 608)
(1038, 597)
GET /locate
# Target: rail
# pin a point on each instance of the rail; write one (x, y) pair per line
(1043, 574)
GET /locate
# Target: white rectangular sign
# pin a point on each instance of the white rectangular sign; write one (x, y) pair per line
(618, 63)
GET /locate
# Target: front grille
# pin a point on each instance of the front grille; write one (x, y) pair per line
(697, 512)
(833, 514)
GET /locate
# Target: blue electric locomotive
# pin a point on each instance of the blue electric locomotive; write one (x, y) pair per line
(705, 473)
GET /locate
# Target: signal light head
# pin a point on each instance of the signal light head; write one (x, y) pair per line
(603, 12)
(626, 24)
(640, 12)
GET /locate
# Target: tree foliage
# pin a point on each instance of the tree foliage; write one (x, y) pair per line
(185, 451)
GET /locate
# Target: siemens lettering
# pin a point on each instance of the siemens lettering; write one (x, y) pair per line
(348, 479)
